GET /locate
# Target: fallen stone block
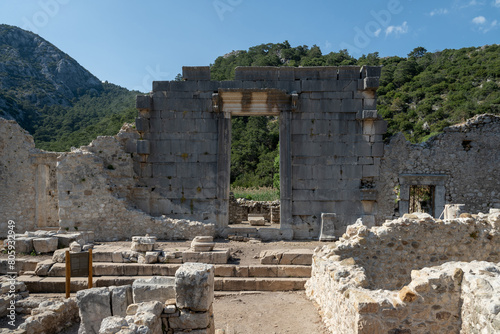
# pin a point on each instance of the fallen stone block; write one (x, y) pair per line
(65, 239)
(154, 288)
(143, 244)
(45, 245)
(24, 245)
(59, 255)
(151, 257)
(112, 325)
(190, 320)
(75, 247)
(51, 317)
(202, 244)
(154, 307)
(43, 267)
(121, 298)
(256, 220)
(194, 286)
(94, 305)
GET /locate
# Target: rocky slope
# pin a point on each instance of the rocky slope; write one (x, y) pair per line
(34, 74)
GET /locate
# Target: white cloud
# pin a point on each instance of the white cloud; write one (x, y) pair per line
(496, 3)
(471, 4)
(377, 32)
(397, 30)
(479, 20)
(483, 24)
(492, 25)
(440, 11)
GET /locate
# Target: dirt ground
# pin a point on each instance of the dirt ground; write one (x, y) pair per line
(267, 313)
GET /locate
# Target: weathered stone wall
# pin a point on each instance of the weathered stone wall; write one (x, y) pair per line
(467, 156)
(97, 185)
(330, 137)
(28, 192)
(177, 153)
(375, 280)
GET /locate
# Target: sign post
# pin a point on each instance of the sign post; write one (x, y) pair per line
(78, 265)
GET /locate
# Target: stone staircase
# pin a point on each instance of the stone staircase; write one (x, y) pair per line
(278, 271)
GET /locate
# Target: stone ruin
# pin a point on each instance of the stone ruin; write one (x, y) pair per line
(169, 175)
(157, 305)
(416, 274)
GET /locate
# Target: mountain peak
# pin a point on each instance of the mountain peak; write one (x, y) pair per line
(35, 73)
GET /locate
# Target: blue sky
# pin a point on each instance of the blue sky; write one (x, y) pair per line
(132, 43)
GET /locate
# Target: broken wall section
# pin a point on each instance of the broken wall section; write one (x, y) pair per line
(397, 277)
(466, 156)
(28, 191)
(97, 186)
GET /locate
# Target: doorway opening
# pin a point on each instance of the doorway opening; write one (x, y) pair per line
(254, 171)
(422, 199)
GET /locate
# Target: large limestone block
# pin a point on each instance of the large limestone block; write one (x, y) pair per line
(24, 245)
(154, 288)
(94, 305)
(121, 298)
(43, 267)
(219, 256)
(287, 257)
(75, 247)
(143, 244)
(203, 244)
(190, 320)
(328, 222)
(45, 245)
(112, 325)
(148, 320)
(194, 286)
(65, 239)
(154, 307)
(59, 256)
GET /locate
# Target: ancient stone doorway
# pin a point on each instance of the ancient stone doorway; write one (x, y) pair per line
(253, 102)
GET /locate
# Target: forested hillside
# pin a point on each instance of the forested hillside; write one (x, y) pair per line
(49, 94)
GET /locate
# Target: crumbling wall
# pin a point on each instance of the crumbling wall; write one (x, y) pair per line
(96, 186)
(376, 281)
(467, 154)
(28, 192)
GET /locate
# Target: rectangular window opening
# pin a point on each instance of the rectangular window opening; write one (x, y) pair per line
(422, 199)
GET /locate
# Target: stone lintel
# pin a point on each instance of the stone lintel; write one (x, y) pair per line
(254, 102)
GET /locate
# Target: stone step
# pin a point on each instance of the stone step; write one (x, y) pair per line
(36, 284)
(138, 269)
